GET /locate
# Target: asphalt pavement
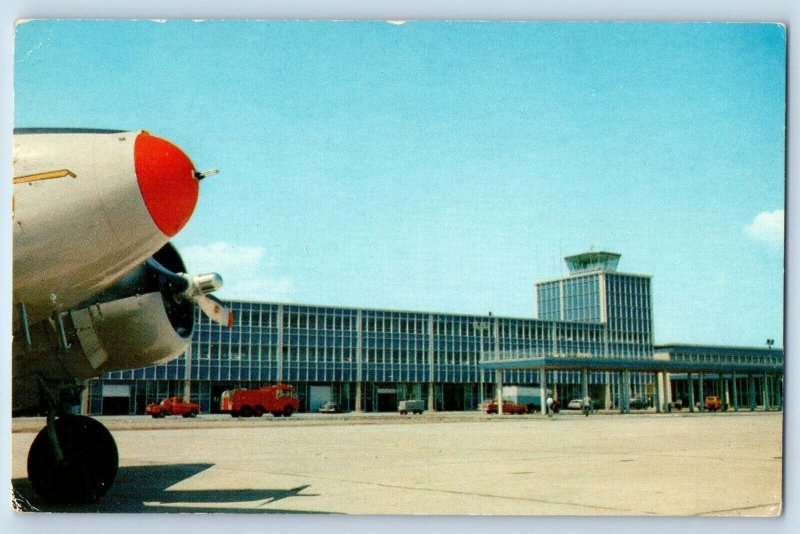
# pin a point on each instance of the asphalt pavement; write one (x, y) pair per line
(682, 464)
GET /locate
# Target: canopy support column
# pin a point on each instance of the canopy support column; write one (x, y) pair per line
(702, 395)
(543, 391)
(659, 406)
(499, 391)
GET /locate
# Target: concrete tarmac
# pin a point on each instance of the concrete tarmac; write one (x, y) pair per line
(727, 464)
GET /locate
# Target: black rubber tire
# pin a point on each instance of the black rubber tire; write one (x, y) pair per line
(276, 414)
(245, 411)
(258, 411)
(193, 414)
(287, 411)
(90, 461)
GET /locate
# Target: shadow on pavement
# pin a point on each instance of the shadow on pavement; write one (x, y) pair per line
(144, 489)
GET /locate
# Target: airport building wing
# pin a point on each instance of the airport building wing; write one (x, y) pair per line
(593, 335)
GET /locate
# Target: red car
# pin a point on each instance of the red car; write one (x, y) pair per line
(508, 408)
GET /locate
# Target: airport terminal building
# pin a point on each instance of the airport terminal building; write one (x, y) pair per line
(370, 359)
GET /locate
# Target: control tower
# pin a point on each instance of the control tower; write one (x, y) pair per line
(592, 261)
(594, 291)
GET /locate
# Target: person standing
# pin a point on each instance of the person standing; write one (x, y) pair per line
(549, 406)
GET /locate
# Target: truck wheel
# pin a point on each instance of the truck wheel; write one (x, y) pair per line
(193, 413)
(162, 414)
(276, 414)
(287, 412)
(156, 416)
(258, 411)
(246, 411)
(234, 414)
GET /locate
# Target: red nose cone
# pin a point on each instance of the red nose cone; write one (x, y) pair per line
(167, 182)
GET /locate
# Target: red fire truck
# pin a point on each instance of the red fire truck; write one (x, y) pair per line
(278, 400)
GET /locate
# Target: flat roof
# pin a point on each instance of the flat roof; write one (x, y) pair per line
(594, 363)
(580, 274)
(476, 316)
(696, 348)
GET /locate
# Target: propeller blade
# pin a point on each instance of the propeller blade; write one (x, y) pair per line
(215, 310)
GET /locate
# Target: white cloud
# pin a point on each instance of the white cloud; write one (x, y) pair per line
(244, 269)
(221, 256)
(767, 227)
(279, 288)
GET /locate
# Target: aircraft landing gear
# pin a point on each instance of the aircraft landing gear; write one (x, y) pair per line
(73, 460)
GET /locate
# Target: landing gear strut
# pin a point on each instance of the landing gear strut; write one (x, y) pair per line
(73, 459)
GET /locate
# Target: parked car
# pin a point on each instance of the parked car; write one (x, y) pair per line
(575, 404)
(508, 408)
(330, 407)
(712, 403)
(484, 405)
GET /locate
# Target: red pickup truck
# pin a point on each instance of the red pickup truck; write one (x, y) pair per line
(508, 408)
(173, 406)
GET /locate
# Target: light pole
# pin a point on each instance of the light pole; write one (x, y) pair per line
(767, 389)
(187, 377)
(481, 327)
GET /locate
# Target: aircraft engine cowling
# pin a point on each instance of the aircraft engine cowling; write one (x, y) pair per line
(90, 205)
(127, 333)
(138, 321)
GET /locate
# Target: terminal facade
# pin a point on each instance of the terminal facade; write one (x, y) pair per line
(370, 359)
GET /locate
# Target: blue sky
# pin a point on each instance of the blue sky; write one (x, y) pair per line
(448, 166)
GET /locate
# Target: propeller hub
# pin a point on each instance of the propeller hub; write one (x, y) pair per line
(208, 283)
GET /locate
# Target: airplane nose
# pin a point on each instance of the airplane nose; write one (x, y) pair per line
(166, 180)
